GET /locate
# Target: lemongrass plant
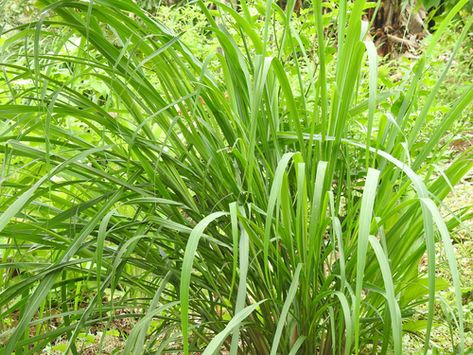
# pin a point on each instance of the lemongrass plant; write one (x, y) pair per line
(229, 209)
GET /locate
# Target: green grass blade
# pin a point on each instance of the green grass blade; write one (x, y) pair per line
(366, 214)
(186, 271)
(285, 310)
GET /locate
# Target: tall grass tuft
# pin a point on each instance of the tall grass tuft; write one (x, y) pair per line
(241, 207)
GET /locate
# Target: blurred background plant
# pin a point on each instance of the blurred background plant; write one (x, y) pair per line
(15, 12)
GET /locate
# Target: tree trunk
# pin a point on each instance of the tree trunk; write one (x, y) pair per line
(297, 6)
(397, 29)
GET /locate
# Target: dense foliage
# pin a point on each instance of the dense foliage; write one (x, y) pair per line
(276, 196)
